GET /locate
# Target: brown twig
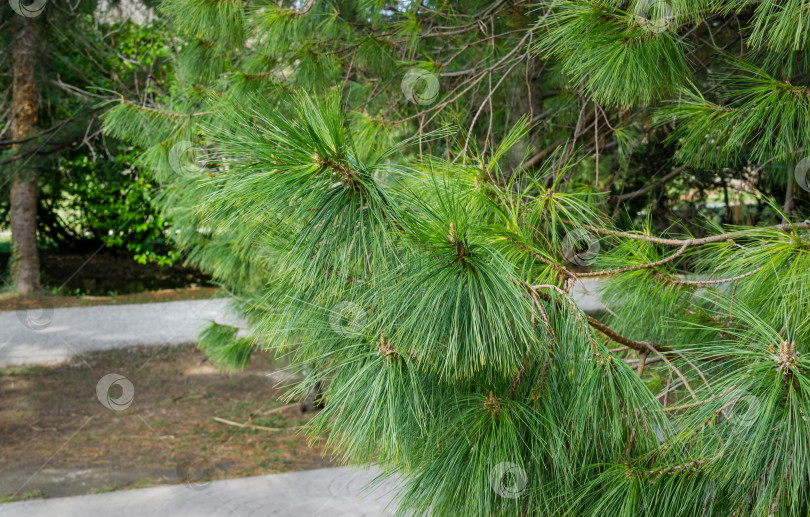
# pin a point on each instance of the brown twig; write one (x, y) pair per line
(641, 363)
(252, 426)
(639, 346)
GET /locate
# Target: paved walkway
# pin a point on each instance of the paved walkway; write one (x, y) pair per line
(324, 492)
(55, 335)
(586, 294)
(52, 336)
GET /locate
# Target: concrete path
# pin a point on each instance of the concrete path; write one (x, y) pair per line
(48, 336)
(56, 335)
(586, 294)
(325, 492)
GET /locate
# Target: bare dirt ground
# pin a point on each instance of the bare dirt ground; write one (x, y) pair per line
(10, 301)
(57, 439)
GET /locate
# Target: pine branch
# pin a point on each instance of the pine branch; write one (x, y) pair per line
(639, 346)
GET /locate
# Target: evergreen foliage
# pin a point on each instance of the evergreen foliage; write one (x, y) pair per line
(417, 259)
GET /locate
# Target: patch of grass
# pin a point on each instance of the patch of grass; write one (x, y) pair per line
(20, 371)
(146, 482)
(5, 241)
(28, 496)
(104, 490)
(10, 300)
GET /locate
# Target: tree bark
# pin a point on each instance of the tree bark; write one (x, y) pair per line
(24, 252)
(313, 400)
(789, 202)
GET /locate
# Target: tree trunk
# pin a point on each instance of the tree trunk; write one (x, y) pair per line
(313, 400)
(789, 202)
(24, 253)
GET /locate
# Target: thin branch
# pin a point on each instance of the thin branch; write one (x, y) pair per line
(692, 242)
(639, 346)
(640, 192)
(703, 283)
(657, 263)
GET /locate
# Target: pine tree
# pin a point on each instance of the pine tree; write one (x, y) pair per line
(416, 259)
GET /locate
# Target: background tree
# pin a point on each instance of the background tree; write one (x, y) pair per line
(64, 62)
(402, 196)
(25, 255)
